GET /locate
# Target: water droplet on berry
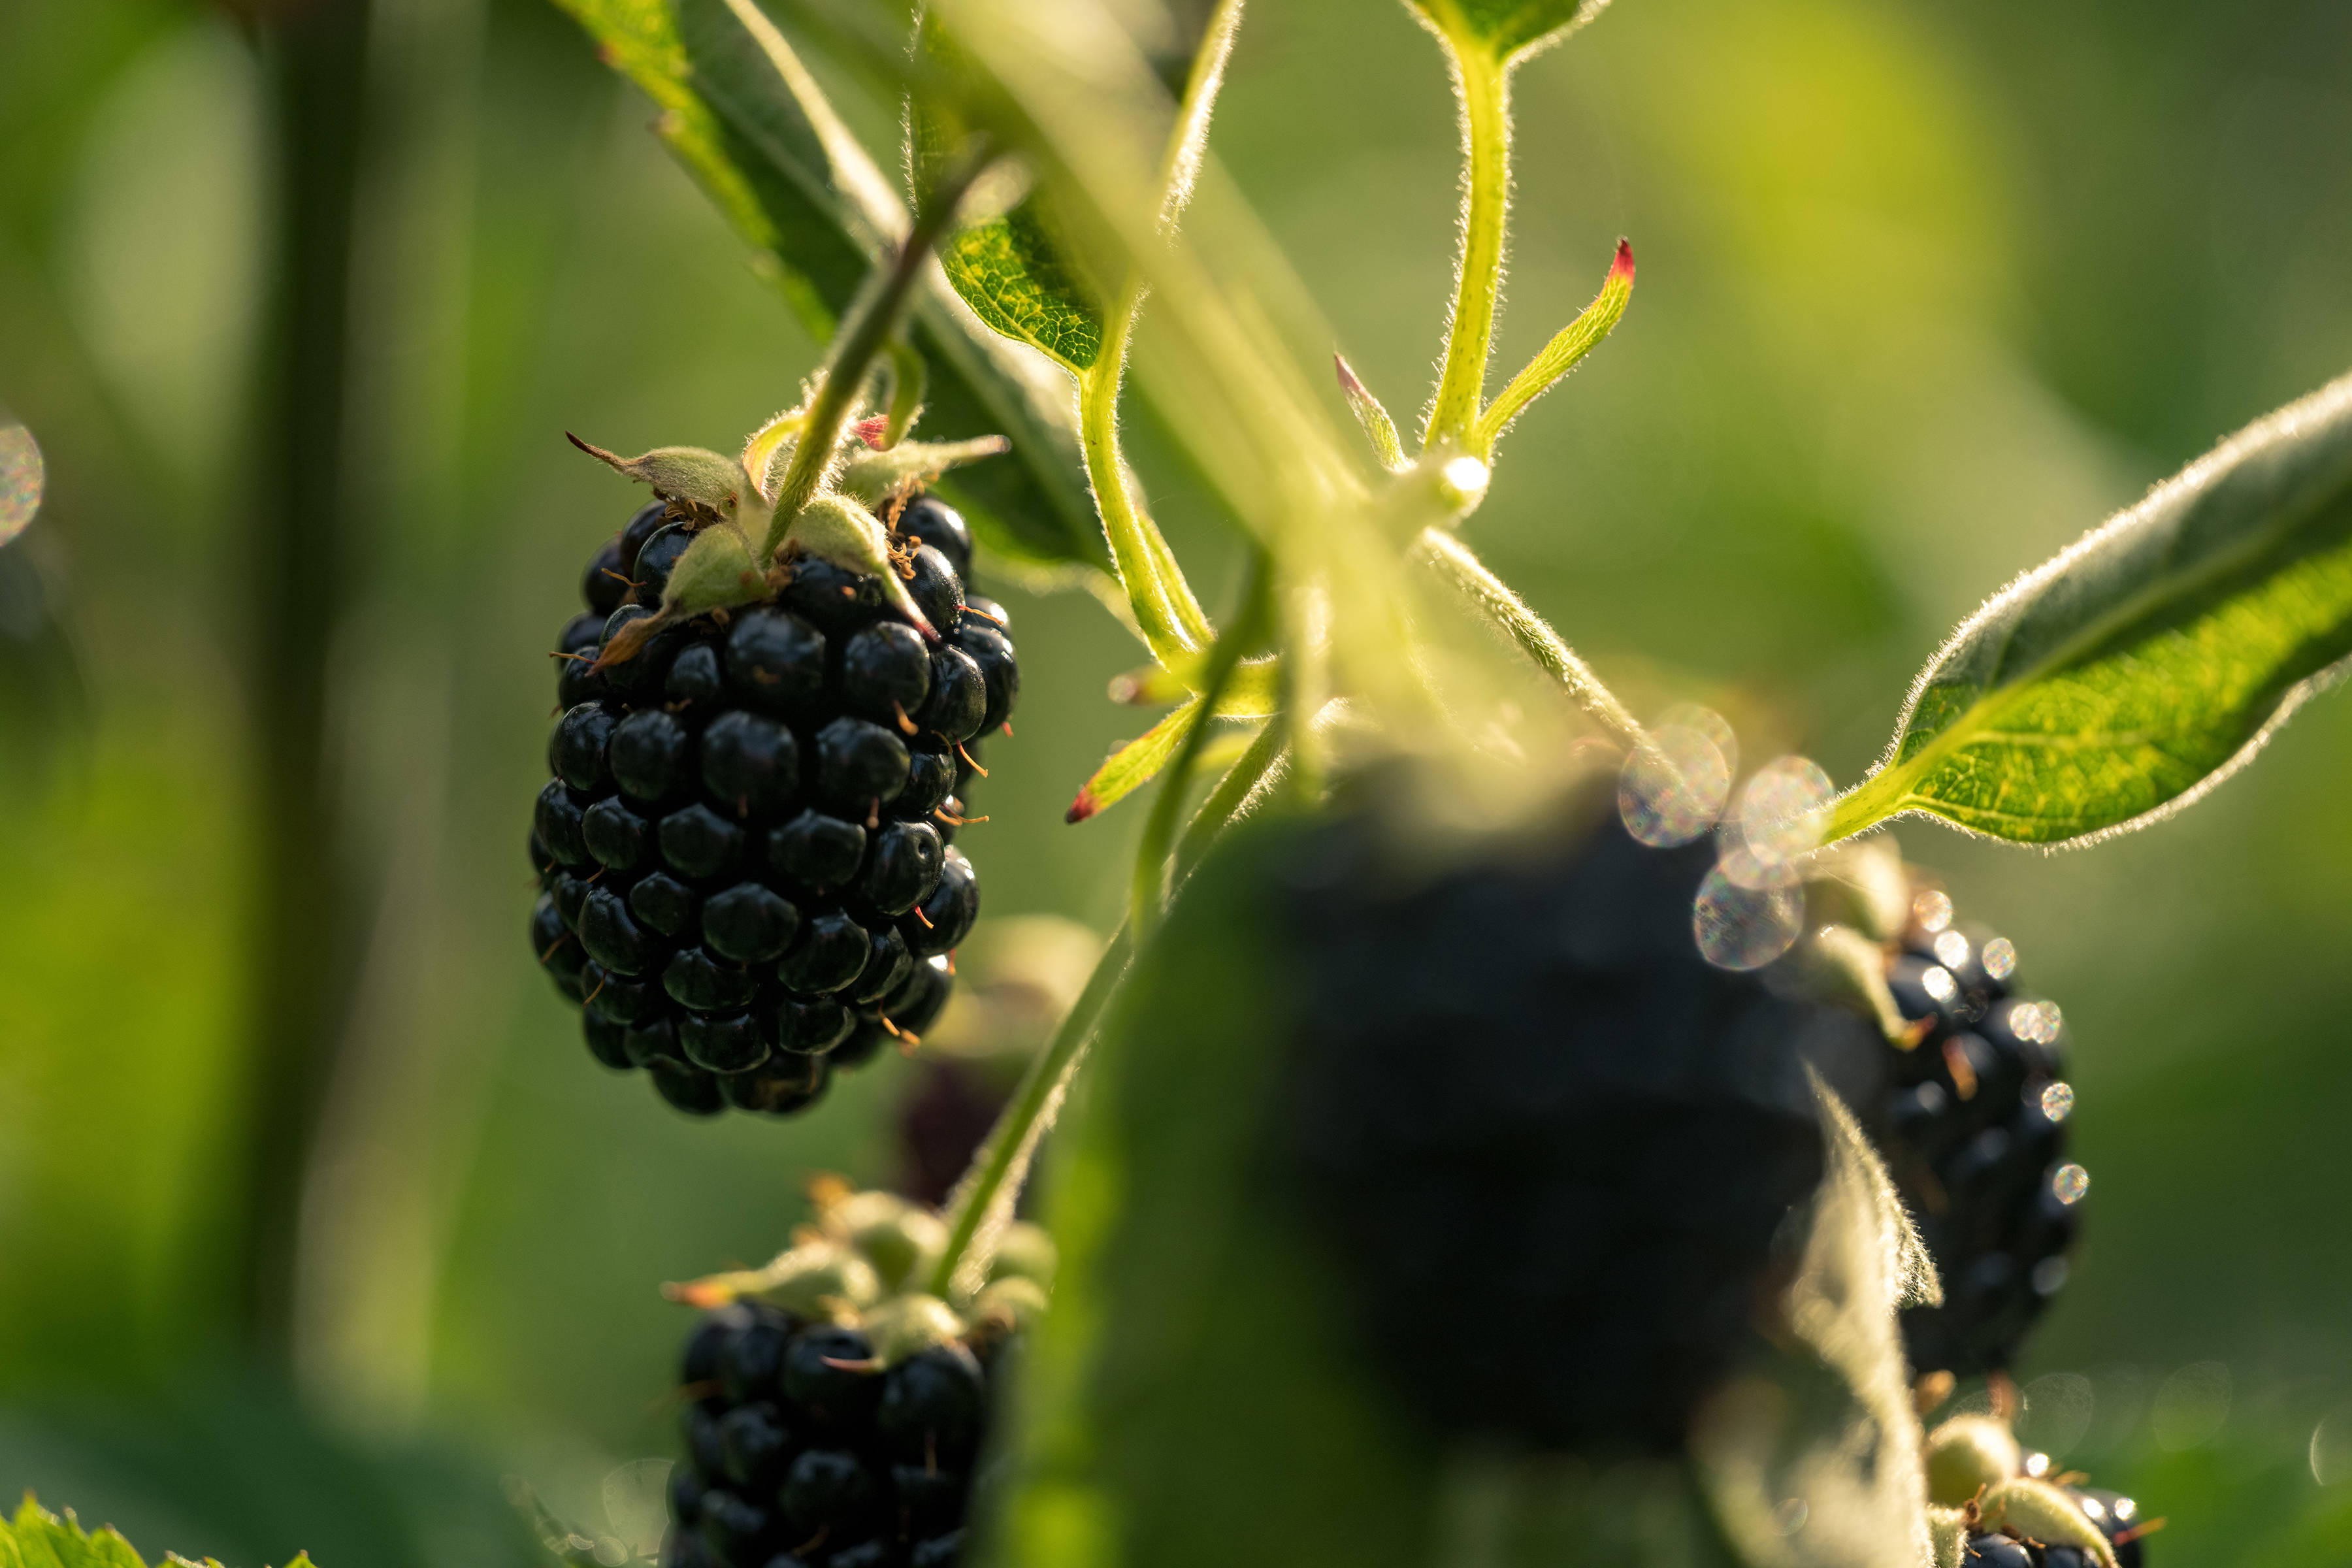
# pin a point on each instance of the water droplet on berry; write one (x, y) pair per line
(2057, 1101)
(1999, 958)
(1932, 909)
(1951, 950)
(1938, 982)
(1673, 789)
(2038, 1022)
(1744, 928)
(21, 479)
(2069, 1183)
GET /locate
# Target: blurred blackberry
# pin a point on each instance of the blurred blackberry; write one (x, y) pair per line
(1551, 1149)
(745, 852)
(1974, 1132)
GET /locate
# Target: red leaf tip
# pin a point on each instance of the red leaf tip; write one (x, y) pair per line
(870, 431)
(1083, 807)
(1347, 373)
(1623, 265)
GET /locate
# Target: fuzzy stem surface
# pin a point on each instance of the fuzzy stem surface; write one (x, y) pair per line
(1174, 627)
(866, 332)
(1494, 598)
(1484, 83)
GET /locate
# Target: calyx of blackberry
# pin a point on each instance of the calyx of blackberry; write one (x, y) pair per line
(1991, 1502)
(828, 1421)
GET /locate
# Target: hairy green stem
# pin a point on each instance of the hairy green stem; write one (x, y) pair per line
(1231, 798)
(1493, 597)
(1150, 889)
(865, 332)
(1484, 83)
(983, 1199)
(1173, 625)
(908, 377)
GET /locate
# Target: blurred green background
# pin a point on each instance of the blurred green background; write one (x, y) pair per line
(1926, 290)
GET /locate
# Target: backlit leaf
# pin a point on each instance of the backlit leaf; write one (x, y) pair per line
(1013, 275)
(2148, 662)
(39, 1539)
(748, 121)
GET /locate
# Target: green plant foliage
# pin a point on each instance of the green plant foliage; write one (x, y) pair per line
(1506, 27)
(39, 1539)
(1015, 277)
(1132, 766)
(744, 117)
(2130, 674)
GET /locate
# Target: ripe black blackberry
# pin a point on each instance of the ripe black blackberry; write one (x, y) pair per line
(831, 1438)
(1551, 1148)
(746, 852)
(1974, 1132)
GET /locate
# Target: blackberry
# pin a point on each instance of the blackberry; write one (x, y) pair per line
(1973, 1126)
(743, 850)
(1514, 1086)
(830, 1437)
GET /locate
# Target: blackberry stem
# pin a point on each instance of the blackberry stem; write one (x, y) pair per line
(1493, 597)
(1483, 83)
(866, 332)
(1173, 625)
(1150, 890)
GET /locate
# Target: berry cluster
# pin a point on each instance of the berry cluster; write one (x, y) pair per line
(842, 1430)
(1974, 1132)
(2115, 1515)
(1515, 1084)
(747, 850)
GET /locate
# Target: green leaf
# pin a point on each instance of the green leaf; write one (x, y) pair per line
(742, 114)
(2148, 662)
(1132, 766)
(1013, 274)
(1506, 29)
(39, 1539)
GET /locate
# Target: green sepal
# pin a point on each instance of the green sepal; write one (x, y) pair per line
(708, 481)
(1378, 428)
(1507, 29)
(1024, 1251)
(1568, 347)
(899, 1239)
(872, 476)
(1842, 965)
(1948, 1536)
(1006, 1307)
(1253, 691)
(812, 1278)
(835, 528)
(720, 570)
(1966, 1455)
(1132, 766)
(908, 1325)
(2037, 1510)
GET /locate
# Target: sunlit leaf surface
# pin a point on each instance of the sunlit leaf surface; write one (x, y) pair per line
(2149, 661)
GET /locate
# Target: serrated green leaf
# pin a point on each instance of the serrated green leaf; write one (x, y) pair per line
(748, 121)
(1505, 29)
(1132, 766)
(2149, 661)
(39, 1539)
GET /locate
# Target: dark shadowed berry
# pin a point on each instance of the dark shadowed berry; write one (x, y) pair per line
(835, 598)
(576, 753)
(699, 1425)
(1995, 1551)
(557, 822)
(722, 1042)
(754, 1446)
(887, 970)
(932, 1404)
(903, 860)
(698, 842)
(958, 698)
(640, 676)
(695, 678)
(859, 765)
(655, 1040)
(652, 757)
(945, 916)
(875, 1553)
(930, 521)
(750, 762)
(642, 525)
(827, 1376)
(735, 1528)
(697, 1363)
(617, 837)
(656, 559)
(775, 661)
(686, 1494)
(980, 607)
(829, 953)
(558, 950)
(607, 1042)
(830, 1488)
(619, 996)
(605, 586)
(613, 937)
(937, 590)
(886, 673)
(663, 903)
(817, 852)
(571, 893)
(584, 633)
(813, 1027)
(695, 980)
(931, 779)
(749, 923)
(930, 1497)
(780, 1086)
(687, 1088)
(751, 1357)
(939, 1551)
(576, 679)
(1000, 672)
(915, 1002)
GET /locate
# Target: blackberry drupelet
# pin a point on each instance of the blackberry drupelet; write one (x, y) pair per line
(1551, 1149)
(1974, 1134)
(745, 852)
